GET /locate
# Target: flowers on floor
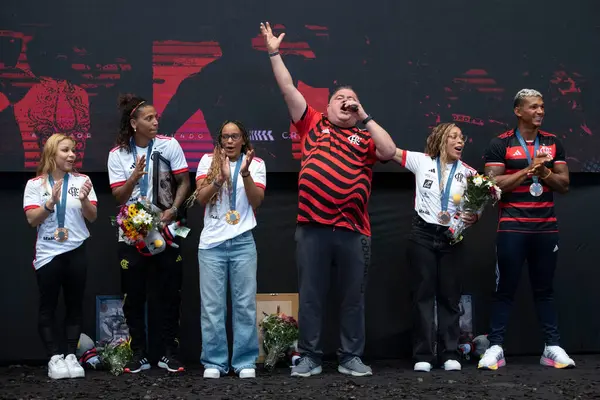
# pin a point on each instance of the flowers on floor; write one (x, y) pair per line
(280, 332)
(115, 355)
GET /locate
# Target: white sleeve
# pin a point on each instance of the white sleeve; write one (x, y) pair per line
(177, 158)
(203, 167)
(116, 174)
(92, 195)
(259, 172)
(413, 160)
(31, 197)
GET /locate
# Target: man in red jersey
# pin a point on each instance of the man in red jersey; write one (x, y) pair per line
(334, 186)
(529, 166)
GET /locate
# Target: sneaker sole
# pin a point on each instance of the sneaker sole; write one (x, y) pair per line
(314, 371)
(347, 371)
(493, 367)
(135, 371)
(166, 366)
(59, 376)
(80, 374)
(548, 362)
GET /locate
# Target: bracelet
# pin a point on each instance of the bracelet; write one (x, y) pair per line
(364, 121)
(549, 173)
(217, 185)
(47, 209)
(245, 176)
(274, 53)
(174, 210)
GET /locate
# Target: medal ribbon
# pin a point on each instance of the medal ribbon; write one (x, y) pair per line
(536, 145)
(61, 208)
(144, 182)
(446, 193)
(233, 189)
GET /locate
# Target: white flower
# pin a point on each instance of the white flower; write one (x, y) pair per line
(489, 184)
(477, 181)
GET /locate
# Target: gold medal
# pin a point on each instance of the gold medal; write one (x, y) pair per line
(232, 217)
(61, 234)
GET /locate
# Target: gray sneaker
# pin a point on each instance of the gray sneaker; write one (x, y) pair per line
(355, 367)
(305, 368)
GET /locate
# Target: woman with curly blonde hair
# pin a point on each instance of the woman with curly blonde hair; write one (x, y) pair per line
(231, 184)
(57, 202)
(434, 263)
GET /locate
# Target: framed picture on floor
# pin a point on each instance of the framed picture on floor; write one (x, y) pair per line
(110, 319)
(268, 304)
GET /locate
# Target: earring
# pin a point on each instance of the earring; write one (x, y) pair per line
(135, 129)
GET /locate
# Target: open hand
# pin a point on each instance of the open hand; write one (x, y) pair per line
(140, 168)
(246, 163)
(225, 169)
(85, 190)
(272, 42)
(56, 191)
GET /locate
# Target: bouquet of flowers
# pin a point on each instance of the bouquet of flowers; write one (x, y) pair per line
(115, 355)
(140, 223)
(480, 190)
(280, 332)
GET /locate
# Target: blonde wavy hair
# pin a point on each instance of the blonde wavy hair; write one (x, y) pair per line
(47, 163)
(436, 146)
(215, 167)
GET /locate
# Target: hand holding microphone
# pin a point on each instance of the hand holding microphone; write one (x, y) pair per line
(355, 108)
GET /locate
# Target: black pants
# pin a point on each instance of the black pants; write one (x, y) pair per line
(135, 269)
(318, 247)
(435, 276)
(68, 271)
(541, 252)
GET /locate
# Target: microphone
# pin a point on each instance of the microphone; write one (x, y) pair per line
(353, 107)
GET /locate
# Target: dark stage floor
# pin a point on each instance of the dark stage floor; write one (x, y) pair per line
(523, 377)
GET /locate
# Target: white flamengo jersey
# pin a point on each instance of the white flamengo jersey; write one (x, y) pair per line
(121, 165)
(37, 192)
(216, 229)
(428, 198)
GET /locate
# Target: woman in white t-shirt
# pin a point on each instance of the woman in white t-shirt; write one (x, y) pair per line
(57, 202)
(435, 265)
(231, 184)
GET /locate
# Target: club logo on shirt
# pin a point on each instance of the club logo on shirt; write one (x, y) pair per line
(546, 150)
(459, 176)
(73, 191)
(427, 184)
(124, 264)
(354, 139)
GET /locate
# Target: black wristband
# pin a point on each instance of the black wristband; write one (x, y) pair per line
(245, 176)
(47, 209)
(364, 121)
(274, 53)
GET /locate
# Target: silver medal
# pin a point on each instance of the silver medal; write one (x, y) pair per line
(536, 189)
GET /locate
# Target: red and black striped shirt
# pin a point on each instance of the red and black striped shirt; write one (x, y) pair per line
(519, 210)
(334, 184)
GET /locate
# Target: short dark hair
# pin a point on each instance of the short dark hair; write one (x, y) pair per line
(341, 87)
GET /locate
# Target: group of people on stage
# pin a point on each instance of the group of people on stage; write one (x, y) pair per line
(333, 228)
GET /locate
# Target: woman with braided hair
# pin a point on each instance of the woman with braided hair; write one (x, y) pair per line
(231, 184)
(434, 263)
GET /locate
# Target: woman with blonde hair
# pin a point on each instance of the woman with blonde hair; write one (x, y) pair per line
(231, 184)
(58, 201)
(434, 263)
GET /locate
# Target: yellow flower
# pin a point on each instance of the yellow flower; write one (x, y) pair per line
(132, 210)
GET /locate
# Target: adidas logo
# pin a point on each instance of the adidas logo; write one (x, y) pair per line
(518, 153)
(261, 136)
(432, 170)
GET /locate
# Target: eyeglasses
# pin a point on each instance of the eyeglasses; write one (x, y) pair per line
(234, 136)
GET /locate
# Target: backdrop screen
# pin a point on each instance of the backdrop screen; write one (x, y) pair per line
(412, 64)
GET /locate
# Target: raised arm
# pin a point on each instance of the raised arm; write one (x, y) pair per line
(293, 98)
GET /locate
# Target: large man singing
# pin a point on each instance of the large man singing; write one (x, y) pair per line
(334, 186)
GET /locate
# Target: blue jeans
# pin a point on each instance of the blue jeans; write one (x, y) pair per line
(234, 259)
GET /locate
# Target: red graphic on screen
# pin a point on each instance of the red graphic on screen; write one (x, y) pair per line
(172, 62)
(53, 106)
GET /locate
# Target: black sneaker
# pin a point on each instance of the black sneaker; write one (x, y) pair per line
(171, 364)
(137, 364)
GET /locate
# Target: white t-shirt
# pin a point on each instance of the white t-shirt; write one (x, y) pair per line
(37, 193)
(216, 230)
(121, 165)
(428, 198)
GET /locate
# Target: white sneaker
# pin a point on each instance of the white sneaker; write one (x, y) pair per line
(75, 369)
(492, 359)
(555, 356)
(452, 365)
(247, 373)
(422, 367)
(212, 373)
(57, 369)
